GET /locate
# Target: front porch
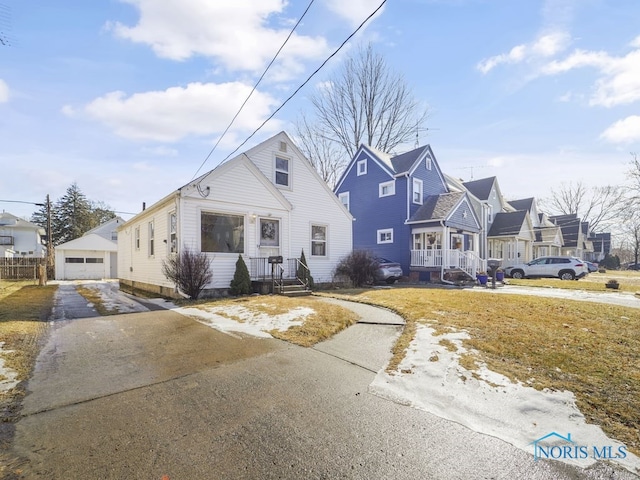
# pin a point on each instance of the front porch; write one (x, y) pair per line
(287, 276)
(446, 251)
(446, 260)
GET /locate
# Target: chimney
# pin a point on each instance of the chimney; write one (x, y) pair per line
(144, 206)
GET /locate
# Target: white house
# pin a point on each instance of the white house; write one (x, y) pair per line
(266, 202)
(20, 238)
(92, 256)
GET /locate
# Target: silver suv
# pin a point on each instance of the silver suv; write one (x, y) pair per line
(564, 268)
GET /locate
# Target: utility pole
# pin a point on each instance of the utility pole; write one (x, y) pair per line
(49, 237)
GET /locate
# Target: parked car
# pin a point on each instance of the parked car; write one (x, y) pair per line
(592, 267)
(388, 271)
(564, 268)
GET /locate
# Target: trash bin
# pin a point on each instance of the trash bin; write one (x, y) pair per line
(493, 264)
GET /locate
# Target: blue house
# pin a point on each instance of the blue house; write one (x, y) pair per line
(404, 211)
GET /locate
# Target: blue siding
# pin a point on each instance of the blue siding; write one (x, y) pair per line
(457, 220)
(372, 213)
(432, 181)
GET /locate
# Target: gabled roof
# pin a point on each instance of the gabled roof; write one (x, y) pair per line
(9, 220)
(437, 207)
(480, 188)
(402, 163)
(507, 224)
(115, 222)
(571, 228)
(93, 241)
(522, 204)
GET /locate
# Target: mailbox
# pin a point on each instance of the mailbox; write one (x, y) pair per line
(275, 259)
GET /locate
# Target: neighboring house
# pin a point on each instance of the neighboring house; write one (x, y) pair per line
(92, 256)
(20, 238)
(601, 243)
(404, 211)
(511, 237)
(266, 202)
(548, 236)
(490, 203)
(574, 233)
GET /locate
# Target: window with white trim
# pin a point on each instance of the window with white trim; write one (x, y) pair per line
(137, 238)
(386, 189)
(152, 239)
(417, 191)
(362, 167)
(344, 199)
(221, 233)
(490, 214)
(282, 172)
(385, 235)
(173, 233)
(319, 240)
(427, 162)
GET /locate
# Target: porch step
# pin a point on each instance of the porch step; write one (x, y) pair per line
(296, 290)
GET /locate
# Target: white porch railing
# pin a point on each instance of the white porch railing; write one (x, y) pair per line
(467, 261)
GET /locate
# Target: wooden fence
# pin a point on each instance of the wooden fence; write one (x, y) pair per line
(19, 268)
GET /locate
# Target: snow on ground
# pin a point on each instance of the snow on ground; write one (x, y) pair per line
(109, 291)
(237, 318)
(623, 299)
(8, 377)
(492, 404)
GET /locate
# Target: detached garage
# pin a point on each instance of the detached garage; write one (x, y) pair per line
(91, 257)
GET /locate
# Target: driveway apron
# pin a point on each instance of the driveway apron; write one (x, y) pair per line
(69, 304)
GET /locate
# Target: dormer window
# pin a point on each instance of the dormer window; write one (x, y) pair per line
(362, 167)
(282, 171)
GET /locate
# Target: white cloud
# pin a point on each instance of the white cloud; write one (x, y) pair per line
(4, 91)
(172, 114)
(544, 46)
(354, 11)
(619, 83)
(626, 130)
(236, 34)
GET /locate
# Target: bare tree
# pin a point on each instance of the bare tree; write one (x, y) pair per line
(364, 102)
(324, 154)
(634, 176)
(599, 206)
(189, 270)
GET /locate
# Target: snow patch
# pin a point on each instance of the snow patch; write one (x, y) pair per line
(244, 320)
(10, 379)
(488, 403)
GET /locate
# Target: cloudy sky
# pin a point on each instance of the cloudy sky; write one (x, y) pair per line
(128, 97)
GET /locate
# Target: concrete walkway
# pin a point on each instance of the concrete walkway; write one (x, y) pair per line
(368, 343)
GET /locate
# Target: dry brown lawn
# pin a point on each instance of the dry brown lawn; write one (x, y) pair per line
(24, 308)
(590, 349)
(327, 320)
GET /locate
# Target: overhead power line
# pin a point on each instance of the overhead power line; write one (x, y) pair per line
(306, 81)
(253, 89)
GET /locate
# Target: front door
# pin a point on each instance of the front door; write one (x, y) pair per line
(269, 237)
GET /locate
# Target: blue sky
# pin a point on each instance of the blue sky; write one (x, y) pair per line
(127, 97)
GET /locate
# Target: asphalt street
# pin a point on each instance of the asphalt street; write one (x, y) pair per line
(156, 394)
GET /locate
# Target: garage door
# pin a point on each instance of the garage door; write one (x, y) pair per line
(84, 268)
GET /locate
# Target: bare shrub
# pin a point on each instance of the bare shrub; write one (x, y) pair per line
(360, 266)
(189, 270)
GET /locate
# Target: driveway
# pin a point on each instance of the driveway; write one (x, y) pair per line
(153, 394)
